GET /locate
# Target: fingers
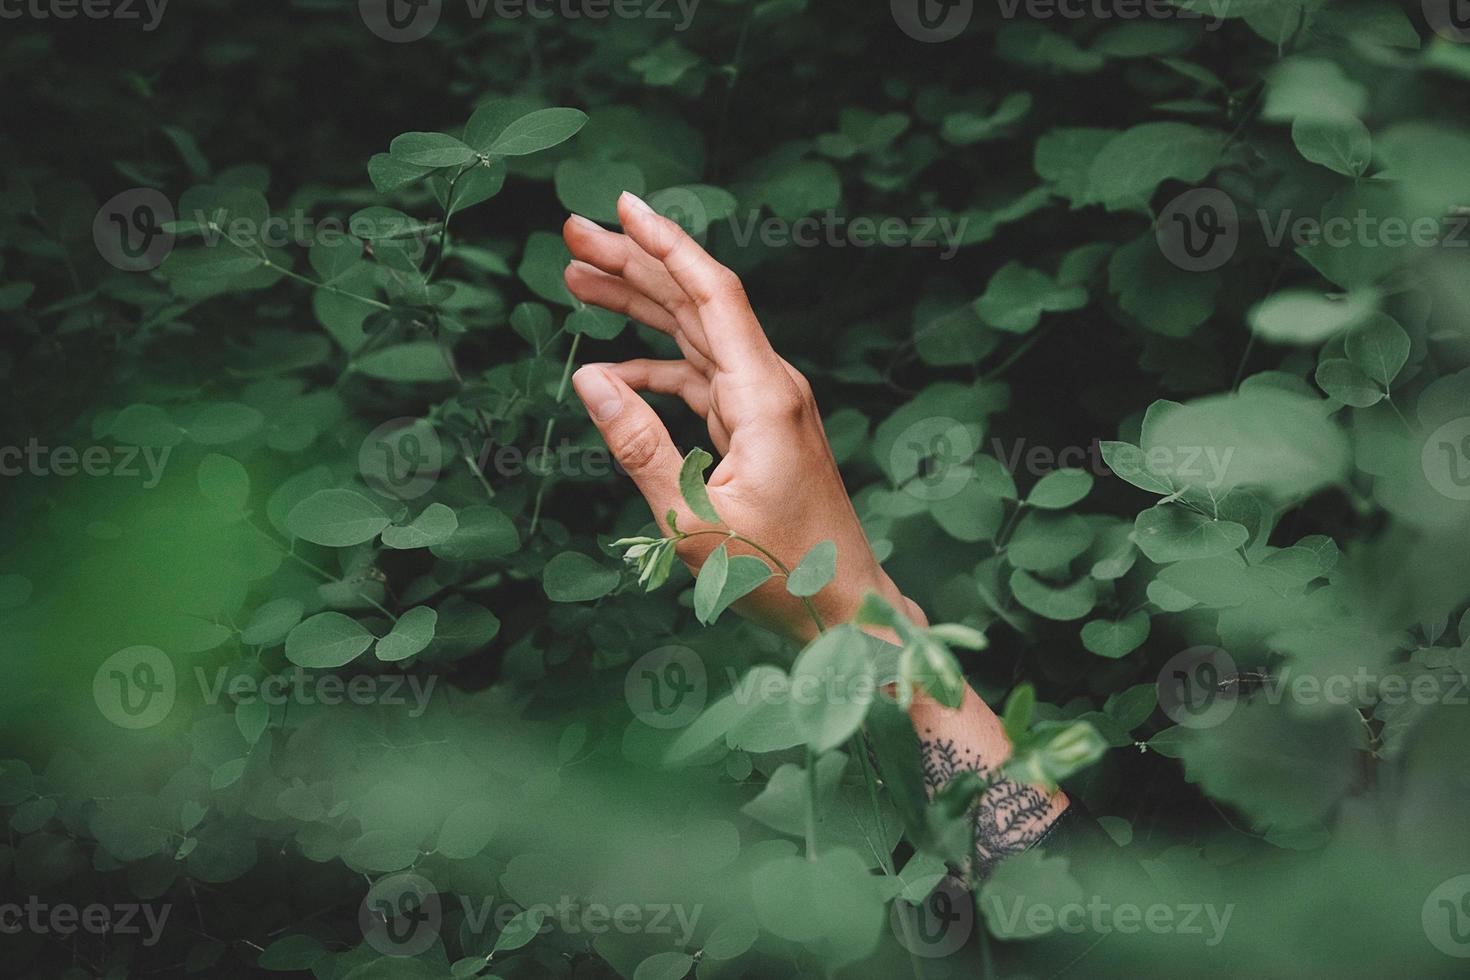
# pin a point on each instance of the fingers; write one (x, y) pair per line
(619, 256)
(735, 336)
(666, 378)
(635, 435)
(592, 285)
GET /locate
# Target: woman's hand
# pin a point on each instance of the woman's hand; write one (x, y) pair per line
(777, 482)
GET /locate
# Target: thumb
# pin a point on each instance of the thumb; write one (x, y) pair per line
(634, 433)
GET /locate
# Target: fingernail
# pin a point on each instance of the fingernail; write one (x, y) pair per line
(597, 392)
(637, 202)
(577, 219)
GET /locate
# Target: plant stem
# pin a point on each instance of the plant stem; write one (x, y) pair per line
(561, 392)
(811, 804)
(781, 567)
(448, 213)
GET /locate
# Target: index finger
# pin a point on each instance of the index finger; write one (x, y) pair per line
(734, 334)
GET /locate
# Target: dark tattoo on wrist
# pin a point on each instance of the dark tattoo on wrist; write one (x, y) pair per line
(1008, 817)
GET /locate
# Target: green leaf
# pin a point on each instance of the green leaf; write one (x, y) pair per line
(816, 569)
(1046, 540)
(379, 223)
(483, 532)
(410, 635)
(591, 187)
(1169, 532)
(665, 64)
(269, 624)
(435, 525)
(1299, 316)
(290, 954)
(670, 965)
(1060, 749)
(1060, 489)
(419, 360)
(1346, 382)
(538, 131)
(1116, 638)
(832, 686)
(1128, 461)
(1379, 348)
(336, 518)
(1064, 604)
(519, 931)
(1016, 298)
(1131, 708)
(489, 121)
(388, 173)
(692, 488)
(327, 640)
(959, 635)
(730, 938)
(224, 482)
(1279, 441)
(1340, 144)
(723, 580)
(467, 830)
(711, 582)
(1130, 166)
(430, 150)
(573, 577)
(783, 803)
(1020, 706)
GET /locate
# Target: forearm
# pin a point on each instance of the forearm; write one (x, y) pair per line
(1008, 817)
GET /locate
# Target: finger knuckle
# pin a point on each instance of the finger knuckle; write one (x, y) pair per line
(638, 447)
(726, 284)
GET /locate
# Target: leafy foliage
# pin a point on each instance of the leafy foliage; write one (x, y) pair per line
(328, 594)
